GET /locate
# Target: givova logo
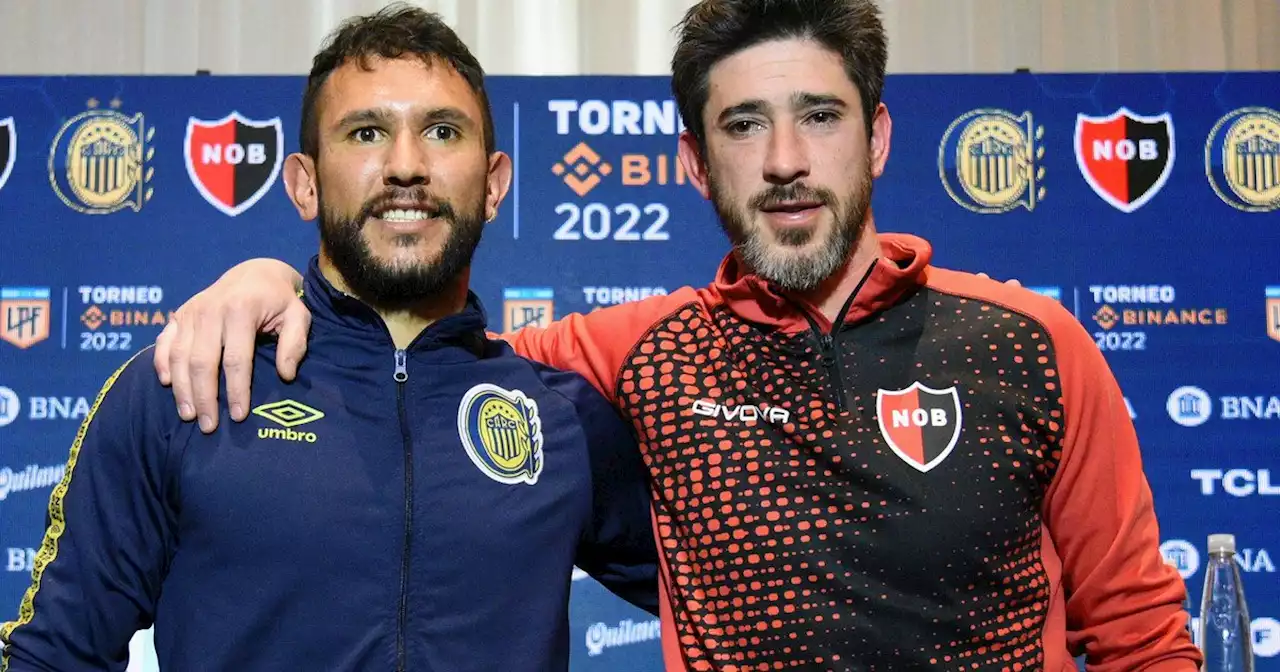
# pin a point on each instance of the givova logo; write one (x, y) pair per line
(601, 636)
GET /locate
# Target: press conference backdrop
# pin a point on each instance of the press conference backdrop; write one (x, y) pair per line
(1147, 204)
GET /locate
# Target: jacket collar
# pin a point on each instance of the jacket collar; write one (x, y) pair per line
(901, 269)
(336, 309)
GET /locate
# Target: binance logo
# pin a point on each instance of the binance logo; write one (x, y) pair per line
(582, 169)
(288, 414)
(93, 317)
(1106, 317)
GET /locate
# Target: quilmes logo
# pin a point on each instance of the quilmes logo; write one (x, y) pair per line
(1126, 158)
(1242, 159)
(233, 161)
(8, 148)
(601, 636)
(502, 433)
(25, 311)
(989, 161)
(98, 161)
(288, 414)
(33, 477)
(527, 307)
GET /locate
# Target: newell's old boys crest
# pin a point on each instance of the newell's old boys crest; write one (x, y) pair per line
(920, 424)
(1125, 158)
(233, 161)
(502, 433)
(8, 149)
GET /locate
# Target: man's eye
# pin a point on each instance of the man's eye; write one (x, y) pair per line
(366, 134)
(742, 127)
(442, 133)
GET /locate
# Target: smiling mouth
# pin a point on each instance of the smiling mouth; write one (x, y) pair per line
(404, 215)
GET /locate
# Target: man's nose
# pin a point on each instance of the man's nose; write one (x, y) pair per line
(787, 159)
(407, 162)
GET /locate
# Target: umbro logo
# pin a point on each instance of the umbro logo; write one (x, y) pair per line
(288, 414)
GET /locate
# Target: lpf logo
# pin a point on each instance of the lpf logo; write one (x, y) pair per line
(527, 307)
(25, 311)
(582, 169)
(989, 161)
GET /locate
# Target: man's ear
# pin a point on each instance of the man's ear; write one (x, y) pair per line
(881, 137)
(695, 165)
(498, 182)
(300, 182)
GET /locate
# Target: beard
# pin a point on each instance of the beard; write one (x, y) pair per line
(770, 260)
(392, 286)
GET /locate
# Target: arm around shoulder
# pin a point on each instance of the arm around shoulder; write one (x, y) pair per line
(99, 569)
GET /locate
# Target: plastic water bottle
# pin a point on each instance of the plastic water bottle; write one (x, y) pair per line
(1225, 637)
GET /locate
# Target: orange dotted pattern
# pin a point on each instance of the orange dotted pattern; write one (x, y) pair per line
(804, 541)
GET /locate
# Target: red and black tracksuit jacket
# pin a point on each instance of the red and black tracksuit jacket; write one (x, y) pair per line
(948, 478)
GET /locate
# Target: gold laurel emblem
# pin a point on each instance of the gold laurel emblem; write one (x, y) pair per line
(996, 158)
(1249, 151)
(104, 161)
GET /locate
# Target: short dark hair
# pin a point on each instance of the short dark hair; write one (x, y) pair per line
(394, 31)
(714, 30)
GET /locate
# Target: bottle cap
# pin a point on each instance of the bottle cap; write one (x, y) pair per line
(1222, 543)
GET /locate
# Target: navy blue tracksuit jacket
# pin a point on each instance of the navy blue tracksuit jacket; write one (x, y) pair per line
(417, 509)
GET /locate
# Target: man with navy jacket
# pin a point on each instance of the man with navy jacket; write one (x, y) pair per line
(417, 498)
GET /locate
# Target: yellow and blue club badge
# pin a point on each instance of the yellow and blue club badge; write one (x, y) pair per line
(502, 433)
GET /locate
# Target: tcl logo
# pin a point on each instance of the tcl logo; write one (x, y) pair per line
(1235, 482)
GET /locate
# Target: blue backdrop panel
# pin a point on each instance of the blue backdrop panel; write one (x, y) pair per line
(1148, 204)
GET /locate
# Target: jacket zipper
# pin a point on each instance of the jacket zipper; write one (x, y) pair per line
(402, 375)
(827, 345)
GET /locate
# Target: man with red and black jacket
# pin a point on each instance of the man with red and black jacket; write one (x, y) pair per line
(858, 460)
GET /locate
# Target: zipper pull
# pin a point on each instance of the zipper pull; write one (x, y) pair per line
(826, 342)
(402, 374)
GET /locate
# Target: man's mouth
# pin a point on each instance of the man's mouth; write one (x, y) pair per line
(791, 206)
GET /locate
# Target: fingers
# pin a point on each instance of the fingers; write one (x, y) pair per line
(292, 343)
(204, 361)
(239, 338)
(1015, 283)
(179, 356)
(984, 276)
(160, 355)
